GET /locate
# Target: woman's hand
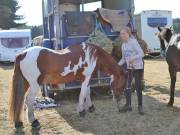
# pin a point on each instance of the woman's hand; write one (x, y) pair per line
(130, 61)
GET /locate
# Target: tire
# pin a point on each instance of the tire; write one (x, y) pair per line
(44, 90)
(51, 95)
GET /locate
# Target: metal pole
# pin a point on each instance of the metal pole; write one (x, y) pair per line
(82, 3)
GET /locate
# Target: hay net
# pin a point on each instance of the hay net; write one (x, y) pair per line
(100, 39)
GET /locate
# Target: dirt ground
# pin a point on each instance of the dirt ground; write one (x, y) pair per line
(106, 120)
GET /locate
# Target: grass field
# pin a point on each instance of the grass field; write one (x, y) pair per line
(158, 120)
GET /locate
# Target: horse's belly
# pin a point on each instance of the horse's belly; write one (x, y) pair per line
(57, 78)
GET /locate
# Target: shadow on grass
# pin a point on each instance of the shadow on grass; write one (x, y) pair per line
(22, 132)
(107, 120)
(162, 89)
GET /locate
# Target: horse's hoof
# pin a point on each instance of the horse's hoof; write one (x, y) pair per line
(35, 124)
(92, 109)
(19, 125)
(169, 105)
(82, 114)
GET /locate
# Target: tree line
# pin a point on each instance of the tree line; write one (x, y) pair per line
(9, 18)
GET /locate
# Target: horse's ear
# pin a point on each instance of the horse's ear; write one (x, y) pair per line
(159, 28)
(171, 28)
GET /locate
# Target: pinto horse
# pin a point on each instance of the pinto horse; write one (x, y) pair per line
(38, 65)
(166, 36)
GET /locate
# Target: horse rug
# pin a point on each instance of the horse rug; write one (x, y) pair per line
(117, 18)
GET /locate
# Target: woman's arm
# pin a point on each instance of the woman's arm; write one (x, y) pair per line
(122, 61)
(138, 49)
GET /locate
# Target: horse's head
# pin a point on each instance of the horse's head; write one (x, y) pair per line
(118, 83)
(165, 33)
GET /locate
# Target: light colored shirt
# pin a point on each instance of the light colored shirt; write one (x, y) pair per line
(131, 51)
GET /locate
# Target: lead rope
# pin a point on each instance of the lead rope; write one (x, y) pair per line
(128, 77)
(128, 87)
(133, 98)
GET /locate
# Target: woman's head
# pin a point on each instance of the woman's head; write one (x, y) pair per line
(125, 34)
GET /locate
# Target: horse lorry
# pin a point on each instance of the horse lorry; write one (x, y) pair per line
(147, 23)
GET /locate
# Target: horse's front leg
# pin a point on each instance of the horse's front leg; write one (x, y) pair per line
(82, 96)
(29, 102)
(88, 100)
(172, 73)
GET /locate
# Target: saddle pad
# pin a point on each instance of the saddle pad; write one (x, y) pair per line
(117, 18)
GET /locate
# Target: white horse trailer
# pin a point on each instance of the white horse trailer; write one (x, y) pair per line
(13, 42)
(146, 24)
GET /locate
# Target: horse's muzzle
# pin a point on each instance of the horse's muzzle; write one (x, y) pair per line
(118, 99)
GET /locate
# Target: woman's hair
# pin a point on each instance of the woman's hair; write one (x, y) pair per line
(128, 30)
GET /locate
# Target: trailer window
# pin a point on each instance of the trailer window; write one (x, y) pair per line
(155, 22)
(15, 42)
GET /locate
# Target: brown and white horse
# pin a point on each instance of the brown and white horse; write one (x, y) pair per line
(38, 65)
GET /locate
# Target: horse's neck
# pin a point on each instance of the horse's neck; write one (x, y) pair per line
(111, 68)
(166, 42)
(169, 38)
(174, 39)
(162, 42)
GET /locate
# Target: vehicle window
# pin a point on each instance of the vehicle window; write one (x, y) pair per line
(19, 42)
(155, 22)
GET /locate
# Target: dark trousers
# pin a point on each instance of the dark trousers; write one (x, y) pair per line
(137, 74)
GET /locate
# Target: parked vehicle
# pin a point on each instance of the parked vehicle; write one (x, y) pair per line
(146, 24)
(13, 42)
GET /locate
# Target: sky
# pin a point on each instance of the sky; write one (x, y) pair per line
(32, 10)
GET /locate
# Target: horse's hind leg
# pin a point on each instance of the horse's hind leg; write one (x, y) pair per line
(88, 100)
(29, 101)
(172, 73)
(82, 96)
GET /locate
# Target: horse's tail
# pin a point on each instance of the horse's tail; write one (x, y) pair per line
(16, 95)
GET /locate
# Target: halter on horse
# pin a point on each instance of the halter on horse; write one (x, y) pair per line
(172, 56)
(38, 65)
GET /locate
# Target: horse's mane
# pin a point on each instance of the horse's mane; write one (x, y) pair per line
(175, 40)
(110, 62)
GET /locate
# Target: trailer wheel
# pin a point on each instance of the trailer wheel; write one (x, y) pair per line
(51, 95)
(44, 90)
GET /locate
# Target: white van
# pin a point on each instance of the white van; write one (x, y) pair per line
(146, 24)
(13, 42)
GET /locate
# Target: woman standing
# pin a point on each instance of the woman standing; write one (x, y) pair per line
(132, 55)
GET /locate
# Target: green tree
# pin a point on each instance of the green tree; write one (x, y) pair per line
(8, 15)
(36, 31)
(176, 25)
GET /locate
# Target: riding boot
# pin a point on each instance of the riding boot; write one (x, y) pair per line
(140, 110)
(127, 106)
